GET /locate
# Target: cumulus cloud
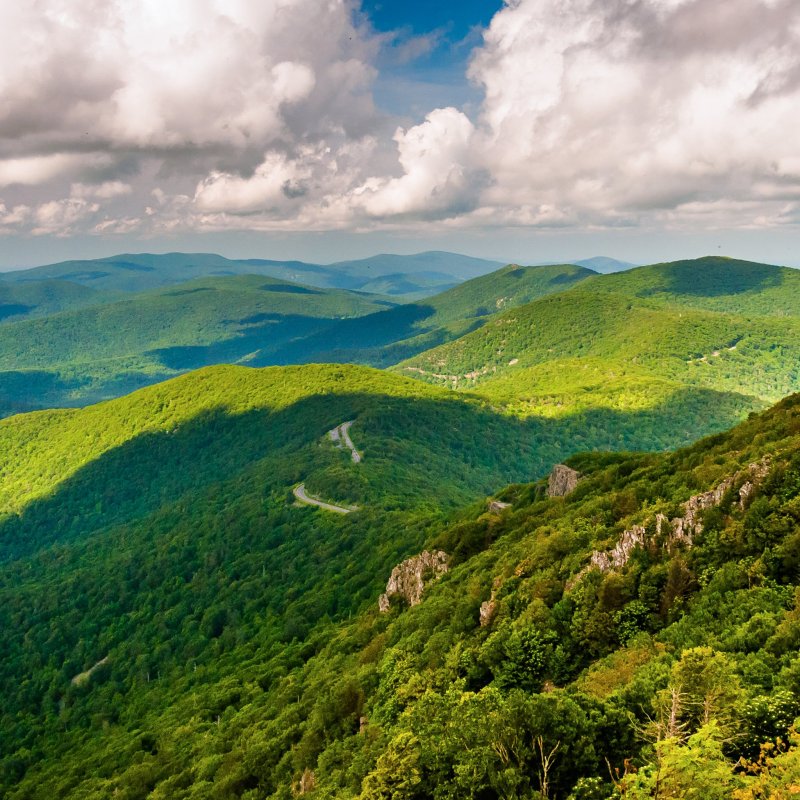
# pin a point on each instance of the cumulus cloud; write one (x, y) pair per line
(613, 112)
(435, 157)
(205, 98)
(153, 116)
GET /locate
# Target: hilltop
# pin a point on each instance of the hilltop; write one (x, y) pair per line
(106, 350)
(714, 283)
(112, 348)
(385, 337)
(629, 339)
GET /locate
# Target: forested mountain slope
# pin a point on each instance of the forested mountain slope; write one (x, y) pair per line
(745, 288)
(107, 350)
(40, 298)
(420, 274)
(191, 636)
(385, 337)
(602, 344)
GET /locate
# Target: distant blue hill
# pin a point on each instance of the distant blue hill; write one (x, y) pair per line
(412, 276)
(605, 265)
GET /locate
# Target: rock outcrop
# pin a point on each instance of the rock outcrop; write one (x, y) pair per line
(496, 506)
(680, 530)
(562, 481)
(409, 578)
(487, 611)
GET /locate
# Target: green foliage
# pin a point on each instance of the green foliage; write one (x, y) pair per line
(173, 626)
(112, 348)
(696, 335)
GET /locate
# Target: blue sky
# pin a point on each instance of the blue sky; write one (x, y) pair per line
(322, 130)
(445, 35)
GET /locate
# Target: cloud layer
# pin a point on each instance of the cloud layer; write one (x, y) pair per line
(148, 117)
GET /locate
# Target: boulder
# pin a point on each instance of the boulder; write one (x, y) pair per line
(562, 481)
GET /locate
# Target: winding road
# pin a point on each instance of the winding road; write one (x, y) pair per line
(340, 434)
(300, 493)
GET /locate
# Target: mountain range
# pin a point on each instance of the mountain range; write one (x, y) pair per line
(515, 587)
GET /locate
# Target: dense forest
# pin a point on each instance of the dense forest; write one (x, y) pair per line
(169, 635)
(174, 623)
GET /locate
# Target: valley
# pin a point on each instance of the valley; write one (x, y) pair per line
(189, 605)
(400, 401)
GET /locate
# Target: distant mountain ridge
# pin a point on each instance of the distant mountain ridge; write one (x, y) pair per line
(605, 265)
(537, 338)
(89, 354)
(419, 274)
(633, 338)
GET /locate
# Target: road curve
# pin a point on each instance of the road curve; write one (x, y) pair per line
(340, 436)
(345, 431)
(300, 493)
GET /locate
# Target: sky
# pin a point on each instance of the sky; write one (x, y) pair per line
(523, 130)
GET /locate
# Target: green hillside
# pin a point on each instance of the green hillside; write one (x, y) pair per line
(385, 337)
(597, 345)
(108, 350)
(174, 627)
(714, 284)
(40, 298)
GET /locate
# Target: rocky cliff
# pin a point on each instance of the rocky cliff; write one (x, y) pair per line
(680, 530)
(409, 578)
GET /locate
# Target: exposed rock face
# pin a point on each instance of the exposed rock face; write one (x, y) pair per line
(619, 555)
(409, 579)
(680, 530)
(496, 506)
(487, 612)
(84, 677)
(562, 481)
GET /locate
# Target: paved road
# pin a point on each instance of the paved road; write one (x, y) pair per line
(341, 433)
(300, 494)
(345, 429)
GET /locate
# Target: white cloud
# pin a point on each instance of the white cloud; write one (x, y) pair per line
(61, 217)
(614, 111)
(213, 94)
(102, 191)
(435, 160)
(38, 170)
(276, 182)
(154, 116)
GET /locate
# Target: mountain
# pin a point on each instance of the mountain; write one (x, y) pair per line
(541, 340)
(632, 339)
(454, 265)
(385, 337)
(173, 626)
(41, 298)
(418, 275)
(714, 284)
(604, 264)
(107, 350)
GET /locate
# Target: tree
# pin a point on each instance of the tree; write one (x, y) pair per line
(694, 770)
(397, 774)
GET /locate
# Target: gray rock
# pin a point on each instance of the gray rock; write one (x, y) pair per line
(562, 481)
(487, 612)
(409, 579)
(678, 531)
